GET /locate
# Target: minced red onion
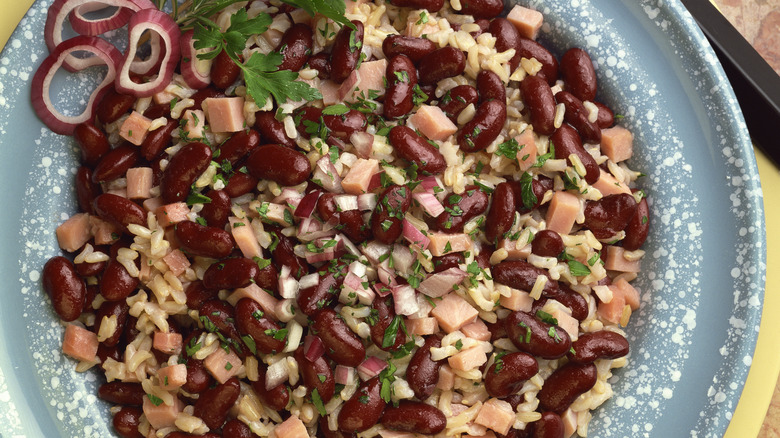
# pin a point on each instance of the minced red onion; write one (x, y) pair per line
(367, 201)
(441, 283)
(313, 347)
(414, 236)
(276, 374)
(326, 176)
(371, 367)
(429, 202)
(344, 375)
(363, 143)
(405, 300)
(346, 202)
(306, 207)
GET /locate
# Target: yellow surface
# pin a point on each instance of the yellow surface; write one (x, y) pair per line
(766, 362)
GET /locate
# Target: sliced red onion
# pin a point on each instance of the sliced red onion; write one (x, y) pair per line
(374, 250)
(344, 375)
(161, 23)
(367, 201)
(357, 268)
(325, 250)
(441, 283)
(348, 245)
(289, 196)
(288, 286)
(326, 176)
(306, 207)
(313, 347)
(196, 71)
(148, 66)
(386, 275)
(346, 202)
(403, 258)
(430, 182)
(405, 300)
(429, 203)
(41, 83)
(363, 143)
(276, 374)
(371, 367)
(97, 26)
(311, 229)
(309, 280)
(353, 283)
(415, 236)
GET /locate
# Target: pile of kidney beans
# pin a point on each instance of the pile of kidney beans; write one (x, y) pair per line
(269, 154)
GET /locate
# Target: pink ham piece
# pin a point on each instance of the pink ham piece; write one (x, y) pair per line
(441, 283)
(74, 232)
(80, 343)
(163, 97)
(615, 261)
(476, 330)
(194, 124)
(267, 302)
(177, 262)
(630, 295)
(358, 178)
(613, 310)
(225, 114)
(617, 143)
(105, 233)
(222, 365)
(292, 427)
(330, 92)
(350, 84)
(565, 321)
(245, 237)
(171, 214)
(139, 182)
(496, 415)
(453, 312)
(169, 343)
(162, 415)
(172, 377)
(152, 204)
(457, 243)
(433, 123)
(446, 378)
(608, 185)
(515, 250)
(469, 359)
(519, 300)
(563, 211)
(527, 21)
(422, 326)
(569, 422)
(369, 78)
(135, 128)
(526, 149)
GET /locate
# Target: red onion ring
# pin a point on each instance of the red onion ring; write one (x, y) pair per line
(41, 100)
(144, 67)
(156, 21)
(192, 68)
(94, 27)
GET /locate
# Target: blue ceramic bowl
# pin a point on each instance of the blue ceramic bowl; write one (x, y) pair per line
(703, 279)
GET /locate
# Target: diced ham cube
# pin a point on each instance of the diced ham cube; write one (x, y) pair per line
(565, 320)
(563, 211)
(163, 97)
(453, 312)
(422, 326)
(442, 243)
(172, 377)
(613, 310)
(349, 86)
(152, 204)
(617, 143)
(608, 185)
(433, 123)
(139, 182)
(497, 415)
(527, 21)
(526, 149)
(265, 299)
(519, 300)
(121, 192)
(222, 365)
(357, 180)
(330, 92)
(276, 213)
(631, 295)
(370, 81)
(245, 238)
(292, 427)
(194, 124)
(105, 233)
(177, 262)
(162, 415)
(135, 128)
(80, 343)
(169, 343)
(569, 423)
(225, 114)
(446, 378)
(469, 359)
(170, 214)
(476, 330)
(615, 261)
(515, 250)
(74, 232)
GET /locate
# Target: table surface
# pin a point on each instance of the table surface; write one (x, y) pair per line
(758, 21)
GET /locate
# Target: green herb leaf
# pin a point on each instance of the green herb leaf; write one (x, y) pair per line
(508, 149)
(527, 191)
(157, 401)
(263, 79)
(335, 110)
(333, 9)
(391, 331)
(317, 402)
(546, 317)
(578, 269)
(197, 198)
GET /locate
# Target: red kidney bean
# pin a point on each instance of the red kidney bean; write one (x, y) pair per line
(341, 343)
(115, 163)
(218, 210)
(104, 352)
(363, 409)
(422, 374)
(482, 8)
(638, 227)
(602, 344)
(429, 5)
(224, 71)
(213, 405)
(416, 149)
(158, 110)
(321, 63)
(309, 121)
(119, 211)
(182, 170)
(353, 226)
(122, 393)
(230, 273)
(606, 116)
(539, 185)
(238, 146)
(295, 47)
(313, 298)
(286, 166)
(237, 429)
(414, 48)
(567, 141)
(528, 48)
(490, 87)
(344, 125)
(609, 214)
(346, 51)
(126, 422)
(159, 139)
(507, 37)
(532, 335)
(547, 243)
(441, 64)
(92, 142)
(401, 80)
(116, 284)
(501, 215)
(284, 255)
(197, 294)
(250, 320)
(578, 74)
(205, 93)
(326, 206)
(569, 298)
(86, 190)
(508, 373)
(386, 220)
(198, 378)
(272, 130)
(577, 116)
(477, 134)
(316, 375)
(90, 270)
(268, 278)
(447, 261)
(240, 184)
(385, 315)
(549, 426)
(566, 384)
(483, 257)
(538, 98)
(223, 316)
(275, 398)
(456, 99)
(109, 309)
(459, 209)
(414, 416)
(203, 241)
(521, 275)
(114, 105)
